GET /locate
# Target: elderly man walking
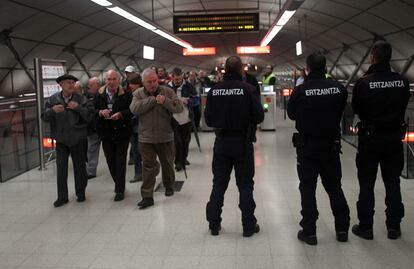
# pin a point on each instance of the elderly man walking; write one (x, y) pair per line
(113, 125)
(154, 105)
(94, 141)
(68, 113)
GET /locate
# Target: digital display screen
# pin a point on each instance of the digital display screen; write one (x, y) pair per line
(268, 88)
(212, 23)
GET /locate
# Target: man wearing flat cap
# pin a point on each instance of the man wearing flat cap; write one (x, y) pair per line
(68, 113)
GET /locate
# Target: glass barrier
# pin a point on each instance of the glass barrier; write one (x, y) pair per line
(349, 135)
(19, 142)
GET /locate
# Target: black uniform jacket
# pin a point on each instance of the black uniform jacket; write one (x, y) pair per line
(233, 105)
(317, 106)
(380, 98)
(114, 129)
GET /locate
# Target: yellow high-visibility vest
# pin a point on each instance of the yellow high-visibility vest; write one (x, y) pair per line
(266, 80)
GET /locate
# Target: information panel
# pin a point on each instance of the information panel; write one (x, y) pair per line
(213, 23)
(46, 73)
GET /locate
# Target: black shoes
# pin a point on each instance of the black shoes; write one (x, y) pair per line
(178, 167)
(81, 198)
(342, 236)
(119, 196)
(308, 239)
(255, 230)
(60, 202)
(187, 162)
(169, 192)
(136, 179)
(393, 234)
(131, 162)
(366, 234)
(215, 231)
(91, 176)
(146, 202)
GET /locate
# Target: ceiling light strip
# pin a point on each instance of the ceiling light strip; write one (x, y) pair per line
(287, 12)
(154, 28)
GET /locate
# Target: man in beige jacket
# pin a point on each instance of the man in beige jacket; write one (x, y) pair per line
(154, 105)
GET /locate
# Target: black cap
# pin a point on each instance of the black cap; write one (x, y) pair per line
(65, 77)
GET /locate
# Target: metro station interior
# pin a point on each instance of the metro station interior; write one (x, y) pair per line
(85, 38)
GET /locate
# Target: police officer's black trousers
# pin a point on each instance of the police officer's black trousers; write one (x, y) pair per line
(116, 154)
(232, 152)
(388, 153)
(78, 155)
(329, 169)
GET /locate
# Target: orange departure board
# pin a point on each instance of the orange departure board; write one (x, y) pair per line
(212, 23)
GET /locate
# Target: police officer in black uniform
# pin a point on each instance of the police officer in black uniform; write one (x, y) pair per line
(380, 98)
(232, 108)
(317, 106)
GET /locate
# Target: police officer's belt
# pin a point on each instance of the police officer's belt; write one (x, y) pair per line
(370, 129)
(230, 133)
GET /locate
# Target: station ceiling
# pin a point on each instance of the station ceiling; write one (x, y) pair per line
(44, 28)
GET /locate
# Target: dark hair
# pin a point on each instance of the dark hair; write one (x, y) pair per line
(381, 52)
(177, 71)
(271, 67)
(234, 64)
(161, 67)
(316, 62)
(135, 79)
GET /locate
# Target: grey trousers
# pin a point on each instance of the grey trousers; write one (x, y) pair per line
(94, 145)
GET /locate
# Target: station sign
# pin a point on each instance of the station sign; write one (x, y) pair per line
(199, 51)
(253, 50)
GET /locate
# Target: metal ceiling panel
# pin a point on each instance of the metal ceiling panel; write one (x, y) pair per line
(358, 3)
(120, 26)
(39, 26)
(356, 31)
(6, 59)
(101, 18)
(68, 34)
(396, 12)
(109, 43)
(334, 9)
(93, 40)
(66, 9)
(373, 24)
(9, 18)
(40, 4)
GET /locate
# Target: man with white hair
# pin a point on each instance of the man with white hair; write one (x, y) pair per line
(154, 105)
(114, 128)
(78, 87)
(94, 141)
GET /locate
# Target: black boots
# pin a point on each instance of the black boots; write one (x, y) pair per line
(308, 239)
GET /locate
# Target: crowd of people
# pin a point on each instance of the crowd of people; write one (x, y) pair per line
(156, 112)
(152, 113)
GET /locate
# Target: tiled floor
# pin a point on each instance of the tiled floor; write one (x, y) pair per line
(173, 234)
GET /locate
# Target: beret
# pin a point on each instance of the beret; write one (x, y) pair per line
(66, 77)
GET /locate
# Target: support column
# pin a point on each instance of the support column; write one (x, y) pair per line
(355, 72)
(109, 56)
(132, 57)
(407, 65)
(344, 49)
(5, 40)
(71, 49)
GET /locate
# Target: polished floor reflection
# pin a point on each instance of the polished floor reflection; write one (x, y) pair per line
(174, 234)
